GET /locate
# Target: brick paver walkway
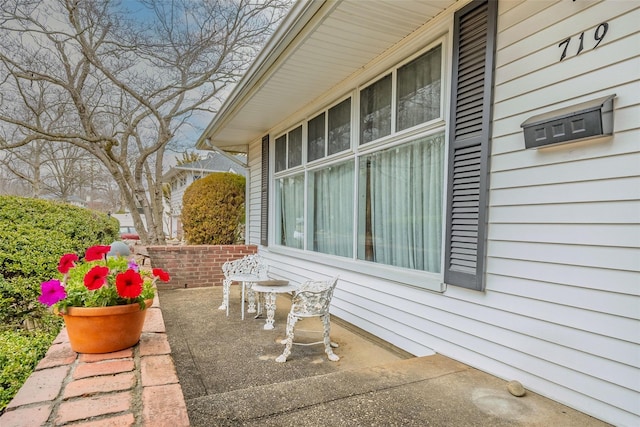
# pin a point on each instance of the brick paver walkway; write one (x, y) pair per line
(133, 387)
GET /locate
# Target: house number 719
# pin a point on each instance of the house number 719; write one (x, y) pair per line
(598, 35)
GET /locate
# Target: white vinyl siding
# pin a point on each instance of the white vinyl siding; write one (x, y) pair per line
(564, 236)
(560, 309)
(178, 192)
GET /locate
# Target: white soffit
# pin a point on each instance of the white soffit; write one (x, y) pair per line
(332, 40)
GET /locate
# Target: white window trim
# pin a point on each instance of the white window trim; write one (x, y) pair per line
(414, 278)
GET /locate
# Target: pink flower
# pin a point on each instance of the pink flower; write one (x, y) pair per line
(161, 274)
(52, 292)
(129, 284)
(67, 263)
(95, 253)
(96, 277)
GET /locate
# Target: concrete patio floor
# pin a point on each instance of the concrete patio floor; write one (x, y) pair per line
(226, 367)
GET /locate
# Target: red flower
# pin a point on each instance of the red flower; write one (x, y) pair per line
(129, 284)
(95, 253)
(161, 274)
(67, 263)
(96, 277)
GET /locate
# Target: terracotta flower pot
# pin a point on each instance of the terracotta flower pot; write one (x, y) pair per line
(104, 329)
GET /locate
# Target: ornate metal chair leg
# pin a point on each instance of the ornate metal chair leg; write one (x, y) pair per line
(260, 303)
(327, 341)
(291, 322)
(270, 305)
(226, 284)
(252, 299)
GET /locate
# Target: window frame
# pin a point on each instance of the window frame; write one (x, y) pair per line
(327, 157)
(445, 74)
(351, 118)
(415, 278)
(396, 96)
(324, 116)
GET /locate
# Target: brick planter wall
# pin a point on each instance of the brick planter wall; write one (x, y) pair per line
(197, 265)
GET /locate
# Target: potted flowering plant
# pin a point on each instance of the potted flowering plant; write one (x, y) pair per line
(103, 300)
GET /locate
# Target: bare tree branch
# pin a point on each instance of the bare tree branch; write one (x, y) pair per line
(121, 83)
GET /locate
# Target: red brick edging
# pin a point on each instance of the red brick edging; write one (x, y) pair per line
(133, 387)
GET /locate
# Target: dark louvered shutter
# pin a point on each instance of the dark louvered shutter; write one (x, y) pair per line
(264, 193)
(469, 144)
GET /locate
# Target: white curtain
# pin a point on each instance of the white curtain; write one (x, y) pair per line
(403, 194)
(332, 213)
(291, 212)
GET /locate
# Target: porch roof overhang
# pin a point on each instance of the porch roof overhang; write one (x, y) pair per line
(319, 44)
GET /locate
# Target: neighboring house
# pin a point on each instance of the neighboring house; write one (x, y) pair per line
(182, 176)
(386, 145)
(78, 201)
(72, 200)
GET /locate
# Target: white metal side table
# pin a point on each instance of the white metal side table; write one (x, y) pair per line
(245, 280)
(271, 288)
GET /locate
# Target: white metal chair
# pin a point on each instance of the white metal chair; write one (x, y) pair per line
(245, 270)
(312, 299)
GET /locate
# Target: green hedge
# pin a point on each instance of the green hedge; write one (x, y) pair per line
(20, 352)
(213, 209)
(34, 234)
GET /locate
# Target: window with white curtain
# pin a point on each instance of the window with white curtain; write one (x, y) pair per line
(331, 209)
(379, 203)
(290, 211)
(400, 212)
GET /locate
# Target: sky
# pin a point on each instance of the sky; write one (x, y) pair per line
(187, 135)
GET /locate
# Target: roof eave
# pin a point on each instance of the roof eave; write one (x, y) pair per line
(297, 18)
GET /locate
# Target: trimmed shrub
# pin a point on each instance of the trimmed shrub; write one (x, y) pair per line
(34, 234)
(78, 227)
(19, 303)
(20, 352)
(213, 209)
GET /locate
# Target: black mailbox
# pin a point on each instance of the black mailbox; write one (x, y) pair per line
(589, 119)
